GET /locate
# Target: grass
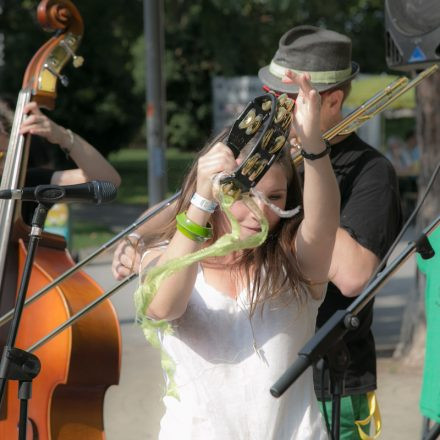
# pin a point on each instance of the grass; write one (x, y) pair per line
(132, 165)
(89, 235)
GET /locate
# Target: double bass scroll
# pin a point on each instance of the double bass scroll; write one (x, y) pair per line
(49, 60)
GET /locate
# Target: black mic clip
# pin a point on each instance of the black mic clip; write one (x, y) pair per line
(95, 191)
(49, 194)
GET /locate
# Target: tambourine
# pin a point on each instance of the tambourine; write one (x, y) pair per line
(270, 118)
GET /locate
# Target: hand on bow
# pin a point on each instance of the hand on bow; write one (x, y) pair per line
(127, 256)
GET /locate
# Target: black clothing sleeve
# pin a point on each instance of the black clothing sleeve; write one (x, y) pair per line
(38, 176)
(371, 214)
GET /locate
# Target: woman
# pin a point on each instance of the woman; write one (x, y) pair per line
(91, 165)
(239, 321)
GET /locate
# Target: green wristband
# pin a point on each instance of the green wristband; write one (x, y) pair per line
(190, 235)
(191, 229)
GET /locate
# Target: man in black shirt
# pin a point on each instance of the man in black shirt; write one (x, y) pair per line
(370, 207)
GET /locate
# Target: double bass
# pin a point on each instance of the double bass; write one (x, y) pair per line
(79, 364)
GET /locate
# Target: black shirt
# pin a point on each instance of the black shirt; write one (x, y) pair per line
(371, 214)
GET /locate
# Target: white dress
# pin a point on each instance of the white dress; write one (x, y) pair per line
(226, 364)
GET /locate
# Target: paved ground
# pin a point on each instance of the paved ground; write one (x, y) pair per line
(133, 409)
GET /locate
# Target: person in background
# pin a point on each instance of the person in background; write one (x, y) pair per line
(370, 216)
(414, 151)
(409, 174)
(91, 165)
(398, 154)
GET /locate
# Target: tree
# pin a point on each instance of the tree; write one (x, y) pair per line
(428, 136)
(99, 103)
(203, 38)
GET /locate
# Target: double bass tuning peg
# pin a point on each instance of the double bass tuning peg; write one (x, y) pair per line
(63, 78)
(77, 60)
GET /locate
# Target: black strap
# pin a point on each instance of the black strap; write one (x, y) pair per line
(311, 156)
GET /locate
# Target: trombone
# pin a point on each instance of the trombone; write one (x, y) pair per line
(373, 106)
(350, 123)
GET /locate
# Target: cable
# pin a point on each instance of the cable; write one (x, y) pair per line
(324, 407)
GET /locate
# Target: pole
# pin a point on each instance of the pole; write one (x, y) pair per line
(155, 100)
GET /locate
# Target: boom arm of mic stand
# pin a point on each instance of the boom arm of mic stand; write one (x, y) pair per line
(344, 320)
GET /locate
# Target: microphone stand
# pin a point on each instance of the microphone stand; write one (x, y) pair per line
(345, 320)
(17, 364)
(336, 362)
(433, 433)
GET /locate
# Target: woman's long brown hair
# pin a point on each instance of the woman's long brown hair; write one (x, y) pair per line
(272, 268)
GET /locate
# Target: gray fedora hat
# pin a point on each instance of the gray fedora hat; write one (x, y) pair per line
(324, 54)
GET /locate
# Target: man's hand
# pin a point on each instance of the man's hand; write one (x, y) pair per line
(127, 256)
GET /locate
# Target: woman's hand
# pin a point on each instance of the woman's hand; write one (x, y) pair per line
(218, 159)
(39, 124)
(306, 113)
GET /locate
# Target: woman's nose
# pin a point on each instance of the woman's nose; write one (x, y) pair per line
(261, 205)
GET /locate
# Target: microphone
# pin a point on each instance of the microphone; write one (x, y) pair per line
(96, 191)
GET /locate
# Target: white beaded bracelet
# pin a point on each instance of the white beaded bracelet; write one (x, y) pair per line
(67, 151)
(204, 204)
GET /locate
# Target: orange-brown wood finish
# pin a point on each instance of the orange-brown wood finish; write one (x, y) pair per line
(79, 364)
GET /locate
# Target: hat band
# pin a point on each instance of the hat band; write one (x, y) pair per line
(325, 77)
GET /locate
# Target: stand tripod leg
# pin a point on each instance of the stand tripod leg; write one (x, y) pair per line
(17, 364)
(336, 416)
(337, 360)
(24, 394)
(432, 433)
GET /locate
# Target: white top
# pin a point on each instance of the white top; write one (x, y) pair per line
(224, 382)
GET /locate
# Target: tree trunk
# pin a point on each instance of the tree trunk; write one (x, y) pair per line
(412, 344)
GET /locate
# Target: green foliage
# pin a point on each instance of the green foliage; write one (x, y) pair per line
(365, 87)
(105, 101)
(236, 37)
(86, 235)
(100, 103)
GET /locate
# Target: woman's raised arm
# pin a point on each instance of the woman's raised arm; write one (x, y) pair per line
(316, 235)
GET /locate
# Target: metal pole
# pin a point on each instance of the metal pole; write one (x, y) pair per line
(155, 98)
